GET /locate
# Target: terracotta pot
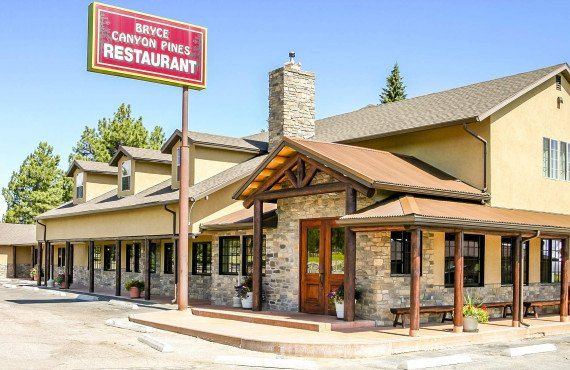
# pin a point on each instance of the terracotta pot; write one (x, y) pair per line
(63, 285)
(135, 292)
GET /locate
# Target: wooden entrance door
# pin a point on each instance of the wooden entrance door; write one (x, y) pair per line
(321, 264)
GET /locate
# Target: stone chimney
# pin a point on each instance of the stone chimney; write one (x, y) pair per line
(291, 102)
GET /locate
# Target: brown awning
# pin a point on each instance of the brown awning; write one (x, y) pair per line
(375, 169)
(413, 210)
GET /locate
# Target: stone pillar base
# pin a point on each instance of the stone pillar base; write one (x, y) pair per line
(414, 333)
(458, 329)
(516, 324)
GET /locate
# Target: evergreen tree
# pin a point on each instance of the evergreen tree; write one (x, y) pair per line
(395, 89)
(39, 185)
(101, 143)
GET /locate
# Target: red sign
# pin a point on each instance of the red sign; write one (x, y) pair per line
(131, 44)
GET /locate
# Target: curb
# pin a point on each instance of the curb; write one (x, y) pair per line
(427, 362)
(155, 343)
(529, 350)
(125, 324)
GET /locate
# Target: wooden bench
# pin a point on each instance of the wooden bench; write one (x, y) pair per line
(507, 307)
(533, 305)
(403, 311)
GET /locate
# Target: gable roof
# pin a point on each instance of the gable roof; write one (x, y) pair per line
(249, 144)
(453, 213)
(17, 234)
(140, 154)
(157, 195)
(92, 167)
(375, 169)
(459, 105)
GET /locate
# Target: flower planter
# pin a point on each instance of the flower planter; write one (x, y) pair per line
(339, 310)
(135, 292)
(470, 324)
(236, 303)
(247, 302)
(63, 285)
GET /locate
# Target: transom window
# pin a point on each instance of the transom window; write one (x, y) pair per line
(473, 257)
(79, 185)
(126, 175)
(550, 260)
(247, 255)
(202, 258)
(109, 261)
(400, 252)
(555, 159)
(168, 258)
(507, 261)
(229, 255)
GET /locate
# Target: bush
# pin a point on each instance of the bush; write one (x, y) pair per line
(338, 295)
(134, 284)
(471, 309)
(60, 278)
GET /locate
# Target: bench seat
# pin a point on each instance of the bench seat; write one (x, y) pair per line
(533, 305)
(400, 312)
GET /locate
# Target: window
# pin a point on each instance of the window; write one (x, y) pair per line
(126, 176)
(401, 253)
(168, 258)
(133, 256)
(137, 262)
(178, 161)
(550, 263)
(564, 162)
(109, 262)
(129, 257)
(247, 255)
(60, 257)
(34, 256)
(79, 185)
(553, 159)
(97, 258)
(473, 257)
(202, 258)
(152, 250)
(507, 260)
(337, 250)
(229, 255)
(556, 159)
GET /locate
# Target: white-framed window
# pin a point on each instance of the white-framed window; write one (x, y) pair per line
(555, 159)
(126, 176)
(79, 185)
(178, 161)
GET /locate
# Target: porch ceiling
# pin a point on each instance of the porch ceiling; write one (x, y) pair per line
(372, 168)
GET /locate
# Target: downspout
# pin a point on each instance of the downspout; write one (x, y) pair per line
(485, 143)
(173, 213)
(521, 280)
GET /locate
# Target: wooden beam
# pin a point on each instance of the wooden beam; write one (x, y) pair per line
(14, 265)
(565, 276)
(309, 176)
(147, 269)
(300, 171)
(335, 187)
(458, 284)
(46, 264)
(118, 268)
(292, 178)
(517, 256)
(66, 274)
(39, 265)
(51, 250)
(377, 228)
(349, 258)
(257, 253)
(271, 180)
(91, 264)
(415, 283)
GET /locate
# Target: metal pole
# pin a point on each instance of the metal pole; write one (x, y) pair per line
(182, 255)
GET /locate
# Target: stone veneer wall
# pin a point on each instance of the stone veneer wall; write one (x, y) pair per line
(22, 270)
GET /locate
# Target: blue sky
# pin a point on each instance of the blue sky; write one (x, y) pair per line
(47, 94)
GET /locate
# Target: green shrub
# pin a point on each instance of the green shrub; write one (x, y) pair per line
(134, 284)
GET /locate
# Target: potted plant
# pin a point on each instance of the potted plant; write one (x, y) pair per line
(473, 314)
(337, 298)
(134, 287)
(244, 292)
(33, 273)
(60, 280)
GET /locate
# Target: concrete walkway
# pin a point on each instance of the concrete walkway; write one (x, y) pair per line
(345, 343)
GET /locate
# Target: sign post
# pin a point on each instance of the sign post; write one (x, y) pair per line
(136, 45)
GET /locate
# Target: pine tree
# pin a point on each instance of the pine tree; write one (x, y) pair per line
(101, 143)
(39, 185)
(395, 89)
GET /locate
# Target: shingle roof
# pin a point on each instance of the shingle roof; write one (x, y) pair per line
(91, 166)
(17, 234)
(252, 144)
(241, 219)
(459, 105)
(156, 195)
(141, 154)
(420, 210)
(375, 169)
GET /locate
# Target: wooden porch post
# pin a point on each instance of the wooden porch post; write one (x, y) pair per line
(349, 259)
(51, 260)
(415, 283)
(118, 268)
(257, 253)
(67, 253)
(458, 284)
(14, 274)
(565, 276)
(146, 269)
(91, 264)
(48, 258)
(46, 264)
(39, 264)
(517, 256)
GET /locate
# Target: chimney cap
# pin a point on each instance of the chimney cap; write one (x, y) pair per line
(292, 62)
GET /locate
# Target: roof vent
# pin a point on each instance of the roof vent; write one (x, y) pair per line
(558, 82)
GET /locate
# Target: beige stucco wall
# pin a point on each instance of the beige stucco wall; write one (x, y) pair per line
(143, 175)
(517, 131)
(450, 149)
(98, 184)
